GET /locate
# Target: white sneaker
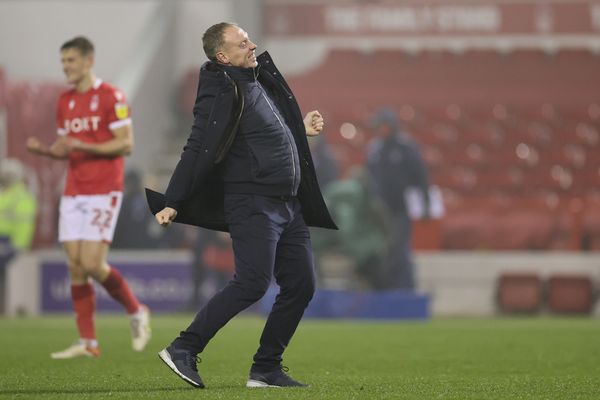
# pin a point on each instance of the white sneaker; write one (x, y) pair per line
(140, 329)
(76, 350)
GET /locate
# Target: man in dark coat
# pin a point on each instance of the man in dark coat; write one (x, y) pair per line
(247, 169)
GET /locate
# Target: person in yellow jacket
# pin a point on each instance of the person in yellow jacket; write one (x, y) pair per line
(17, 216)
(17, 205)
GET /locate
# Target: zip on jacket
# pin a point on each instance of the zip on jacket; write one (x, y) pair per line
(263, 158)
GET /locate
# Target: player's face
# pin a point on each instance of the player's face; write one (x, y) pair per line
(238, 50)
(75, 65)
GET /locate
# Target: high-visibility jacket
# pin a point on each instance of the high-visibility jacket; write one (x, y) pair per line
(17, 215)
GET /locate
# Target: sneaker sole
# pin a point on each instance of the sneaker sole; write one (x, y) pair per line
(259, 384)
(166, 358)
(60, 356)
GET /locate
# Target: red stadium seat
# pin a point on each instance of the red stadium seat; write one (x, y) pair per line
(519, 293)
(426, 235)
(570, 294)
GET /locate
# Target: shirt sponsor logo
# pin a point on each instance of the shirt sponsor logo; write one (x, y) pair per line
(121, 110)
(84, 124)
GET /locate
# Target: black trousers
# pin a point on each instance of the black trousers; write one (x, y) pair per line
(270, 238)
(399, 266)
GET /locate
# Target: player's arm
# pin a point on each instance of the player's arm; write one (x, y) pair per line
(57, 150)
(120, 145)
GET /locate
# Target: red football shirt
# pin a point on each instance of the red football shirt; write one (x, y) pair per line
(90, 117)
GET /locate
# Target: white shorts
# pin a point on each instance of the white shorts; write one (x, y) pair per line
(89, 217)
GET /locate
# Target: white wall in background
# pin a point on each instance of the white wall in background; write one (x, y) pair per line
(32, 31)
(193, 19)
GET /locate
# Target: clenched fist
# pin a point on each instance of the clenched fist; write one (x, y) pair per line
(313, 122)
(166, 216)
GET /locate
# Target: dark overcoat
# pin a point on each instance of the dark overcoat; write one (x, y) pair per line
(196, 187)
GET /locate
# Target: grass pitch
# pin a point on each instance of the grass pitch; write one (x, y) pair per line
(522, 358)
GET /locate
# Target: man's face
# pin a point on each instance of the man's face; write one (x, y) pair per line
(238, 50)
(75, 65)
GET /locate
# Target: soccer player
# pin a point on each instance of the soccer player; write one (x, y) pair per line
(94, 134)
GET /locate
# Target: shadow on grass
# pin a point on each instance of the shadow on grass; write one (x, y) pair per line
(39, 391)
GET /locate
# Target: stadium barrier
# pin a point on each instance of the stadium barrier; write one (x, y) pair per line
(164, 285)
(457, 283)
(328, 303)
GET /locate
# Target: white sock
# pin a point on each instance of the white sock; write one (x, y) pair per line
(89, 342)
(138, 313)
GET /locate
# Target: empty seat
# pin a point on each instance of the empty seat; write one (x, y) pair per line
(426, 234)
(570, 294)
(519, 293)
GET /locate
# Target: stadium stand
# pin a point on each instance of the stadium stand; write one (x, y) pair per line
(30, 110)
(510, 151)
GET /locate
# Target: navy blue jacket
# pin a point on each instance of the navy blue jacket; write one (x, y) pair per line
(395, 164)
(263, 158)
(197, 186)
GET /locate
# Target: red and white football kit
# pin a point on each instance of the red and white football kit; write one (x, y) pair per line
(90, 206)
(93, 192)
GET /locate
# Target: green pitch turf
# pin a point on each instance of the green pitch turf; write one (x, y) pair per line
(539, 358)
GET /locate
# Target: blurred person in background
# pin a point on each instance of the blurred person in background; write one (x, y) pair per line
(94, 134)
(213, 265)
(136, 227)
(247, 169)
(324, 161)
(364, 231)
(133, 230)
(396, 167)
(18, 208)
